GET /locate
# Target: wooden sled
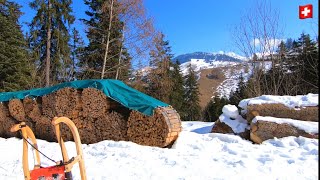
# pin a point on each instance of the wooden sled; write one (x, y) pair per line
(62, 169)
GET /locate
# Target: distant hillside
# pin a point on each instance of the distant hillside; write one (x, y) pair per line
(209, 57)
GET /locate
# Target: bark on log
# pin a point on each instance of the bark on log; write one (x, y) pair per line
(281, 111)
(264, 130)
(221, 127)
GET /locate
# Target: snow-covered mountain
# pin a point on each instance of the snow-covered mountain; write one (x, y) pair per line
(209, 57)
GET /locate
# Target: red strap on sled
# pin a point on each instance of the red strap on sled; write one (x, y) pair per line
(52, 172)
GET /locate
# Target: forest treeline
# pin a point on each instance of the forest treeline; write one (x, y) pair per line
(118, 32)
(294, 71)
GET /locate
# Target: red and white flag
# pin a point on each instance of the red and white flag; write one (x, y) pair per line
(305, 11)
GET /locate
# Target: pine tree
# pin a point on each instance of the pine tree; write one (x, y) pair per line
(14, 65)
(159, 81)
(213, 109)
(191, 97)
(49, 39)
(100, 59)
(176, 96)
(77, 46)
(240, 93)
(309, 60)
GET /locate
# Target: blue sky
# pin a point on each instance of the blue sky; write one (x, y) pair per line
(205, 25)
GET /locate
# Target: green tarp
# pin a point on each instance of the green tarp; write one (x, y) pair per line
(114, 89)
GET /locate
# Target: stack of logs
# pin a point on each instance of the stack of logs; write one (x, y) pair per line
(96, 116)
(160, 130)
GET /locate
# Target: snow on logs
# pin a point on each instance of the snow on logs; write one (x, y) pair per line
(96, 116)
(264, 128)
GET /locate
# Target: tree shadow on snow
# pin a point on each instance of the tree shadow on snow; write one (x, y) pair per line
(203, 130)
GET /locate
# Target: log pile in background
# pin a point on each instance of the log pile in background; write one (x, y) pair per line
(282, 111)
(96, 116)
(264, 130)
(160, 130)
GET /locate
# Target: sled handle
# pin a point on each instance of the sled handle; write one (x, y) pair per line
(27, 133)
(79, 158)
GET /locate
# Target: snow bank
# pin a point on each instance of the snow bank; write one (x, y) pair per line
(238, 125)
(307, 126)
(204, 156)
(289, 101)
(230, 111)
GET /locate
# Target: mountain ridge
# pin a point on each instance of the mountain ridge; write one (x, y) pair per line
(209, 57)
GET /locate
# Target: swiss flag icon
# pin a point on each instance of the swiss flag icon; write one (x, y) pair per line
(305, 11)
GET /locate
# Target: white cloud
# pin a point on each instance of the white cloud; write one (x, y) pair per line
(266, 46)
(268, 43)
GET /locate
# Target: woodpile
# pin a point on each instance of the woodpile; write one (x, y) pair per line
(16, 109)
(282, 111)
(32, 109)
(45, 130)
(96, 116)
(6, 122)
(111, 126)
(95, 103)
(160, 130)
(48, 105)
(67, 102)
(264, 130)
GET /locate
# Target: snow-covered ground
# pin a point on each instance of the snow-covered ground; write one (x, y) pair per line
(197, 154)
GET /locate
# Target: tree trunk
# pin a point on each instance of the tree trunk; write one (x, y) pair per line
(48, 46)
(120, 54)
(108, 41)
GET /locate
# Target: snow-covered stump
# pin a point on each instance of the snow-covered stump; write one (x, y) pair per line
(264, 128)
(230, 122)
